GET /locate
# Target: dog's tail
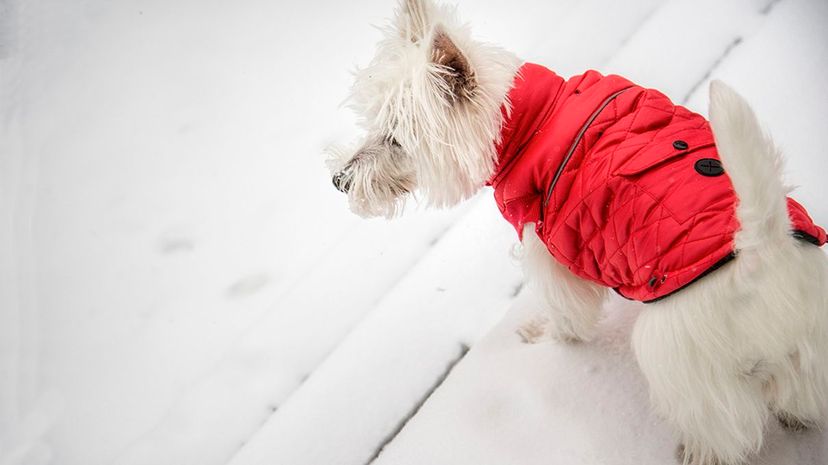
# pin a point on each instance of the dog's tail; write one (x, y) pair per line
(755, 168)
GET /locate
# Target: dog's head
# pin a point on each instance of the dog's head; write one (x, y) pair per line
(430, 102)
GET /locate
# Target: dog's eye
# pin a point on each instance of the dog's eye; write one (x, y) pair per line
(393, 142)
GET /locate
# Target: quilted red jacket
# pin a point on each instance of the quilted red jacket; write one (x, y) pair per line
(624, 187)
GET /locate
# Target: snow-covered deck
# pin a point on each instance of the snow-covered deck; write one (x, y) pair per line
(186, 287)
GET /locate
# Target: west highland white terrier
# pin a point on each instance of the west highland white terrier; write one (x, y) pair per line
(612, 186)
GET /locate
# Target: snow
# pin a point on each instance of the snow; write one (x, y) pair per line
(181, 284)
(778, 70)
(510, 402)
(427, 318)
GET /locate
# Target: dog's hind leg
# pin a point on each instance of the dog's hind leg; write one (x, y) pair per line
(794, 307)
(799, 392)
(799, 388)
(573, 305)
(706, 391)
(802, 398)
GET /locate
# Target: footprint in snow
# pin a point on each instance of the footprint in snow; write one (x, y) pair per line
(248, 285)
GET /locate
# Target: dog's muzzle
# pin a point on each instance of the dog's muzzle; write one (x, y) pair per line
(342, 182)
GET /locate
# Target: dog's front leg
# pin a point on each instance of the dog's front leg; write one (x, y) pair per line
(573, 305)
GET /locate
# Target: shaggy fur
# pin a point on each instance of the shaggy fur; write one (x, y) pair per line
(723, 356)
(438, 94)
(752, 338)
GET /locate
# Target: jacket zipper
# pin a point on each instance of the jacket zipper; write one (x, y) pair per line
(574, 145)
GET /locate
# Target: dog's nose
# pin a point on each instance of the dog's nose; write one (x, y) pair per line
(341, 182)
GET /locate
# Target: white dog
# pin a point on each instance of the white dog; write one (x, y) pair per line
(722, 356)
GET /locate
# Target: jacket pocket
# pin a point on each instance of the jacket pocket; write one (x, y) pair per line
(666, 149)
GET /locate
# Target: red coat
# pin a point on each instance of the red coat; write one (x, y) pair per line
(625, 188)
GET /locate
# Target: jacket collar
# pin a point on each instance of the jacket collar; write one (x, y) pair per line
(531, 100)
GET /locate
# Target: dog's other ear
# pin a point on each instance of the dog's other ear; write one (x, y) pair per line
(414, 19)
(455, 66)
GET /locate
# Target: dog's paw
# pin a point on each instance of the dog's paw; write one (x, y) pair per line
(534, 331)
(568, 339)
(682, 454)
(562, 330)
(790, 422)
(542, 329)
(686, 457)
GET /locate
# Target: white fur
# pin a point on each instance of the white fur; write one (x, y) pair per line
(401, 95)
(380, 175)
(755, 168)
(752, 337)
(573, 305)
(722, 356)
(723, 353)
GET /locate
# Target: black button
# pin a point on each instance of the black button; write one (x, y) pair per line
(709, 167)
(680, 145)
(653, 281)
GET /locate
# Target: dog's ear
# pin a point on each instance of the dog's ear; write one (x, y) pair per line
(413, 19)
(456, 70)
